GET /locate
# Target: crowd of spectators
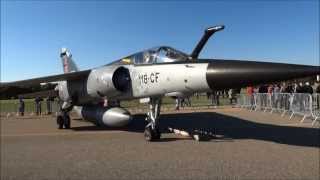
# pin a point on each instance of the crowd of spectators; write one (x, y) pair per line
(285, 88)
(37, 104)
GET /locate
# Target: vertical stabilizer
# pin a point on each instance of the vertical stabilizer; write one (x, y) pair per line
(67, 62)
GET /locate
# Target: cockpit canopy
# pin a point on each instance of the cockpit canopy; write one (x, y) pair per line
(156, 55)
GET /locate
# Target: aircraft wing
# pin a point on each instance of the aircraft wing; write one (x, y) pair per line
(46, 79)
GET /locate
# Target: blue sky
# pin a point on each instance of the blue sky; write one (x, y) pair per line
(99, 32)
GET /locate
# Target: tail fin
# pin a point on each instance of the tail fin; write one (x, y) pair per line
(68, 64)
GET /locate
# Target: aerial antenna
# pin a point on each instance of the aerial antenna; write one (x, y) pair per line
(207, 34)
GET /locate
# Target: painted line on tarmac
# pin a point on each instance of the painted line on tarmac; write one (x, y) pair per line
(61, 134)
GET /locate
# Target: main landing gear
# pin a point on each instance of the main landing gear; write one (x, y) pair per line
(63, 119)
(151, 132)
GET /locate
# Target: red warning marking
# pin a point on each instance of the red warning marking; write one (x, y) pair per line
(65, 64)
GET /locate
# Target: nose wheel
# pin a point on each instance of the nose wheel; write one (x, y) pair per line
(152, 132)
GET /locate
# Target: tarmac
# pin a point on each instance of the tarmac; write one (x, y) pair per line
(244, 145)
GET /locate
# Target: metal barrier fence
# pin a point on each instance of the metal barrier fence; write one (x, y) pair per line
(11, 107)
(198, 101)
(301, 104)
(315, 107)
(305, 105)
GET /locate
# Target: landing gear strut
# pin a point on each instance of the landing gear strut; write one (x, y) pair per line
(151, 132)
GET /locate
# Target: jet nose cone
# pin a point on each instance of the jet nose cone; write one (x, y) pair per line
(224, 74)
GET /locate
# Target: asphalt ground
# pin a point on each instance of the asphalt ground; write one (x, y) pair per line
(245, 145)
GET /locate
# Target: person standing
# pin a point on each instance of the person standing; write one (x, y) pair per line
(188, 101)
(299, 88)
(283, 87)
(304, 99)
(270, 97)
(38, 105)
(250, 92)
(318, 95)
(208, 95)
(283, 96)
(215, 98)
(289, 89)
(263, 90)
(217, 95)
(308, 88)
(295, 86)
(21, 106)
(177, 103)
(49, 104)
(276, 91)
(270, 89)
(231, 94)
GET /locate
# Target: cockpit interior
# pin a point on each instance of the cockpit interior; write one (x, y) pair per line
(162, 54)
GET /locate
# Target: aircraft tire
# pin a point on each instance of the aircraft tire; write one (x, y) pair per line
(151, 135)
(60, 122)
(148, 135)
(67, 122)
(156, 134)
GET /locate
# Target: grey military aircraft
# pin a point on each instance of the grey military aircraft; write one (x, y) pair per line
(153, 74)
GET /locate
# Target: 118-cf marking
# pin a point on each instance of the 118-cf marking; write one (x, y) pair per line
(149, 78)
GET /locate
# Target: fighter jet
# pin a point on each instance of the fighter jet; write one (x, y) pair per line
(153, 74)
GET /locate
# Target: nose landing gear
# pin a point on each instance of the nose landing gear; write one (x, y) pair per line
(152, 132)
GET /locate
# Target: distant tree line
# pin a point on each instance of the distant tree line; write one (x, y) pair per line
(14, 92)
